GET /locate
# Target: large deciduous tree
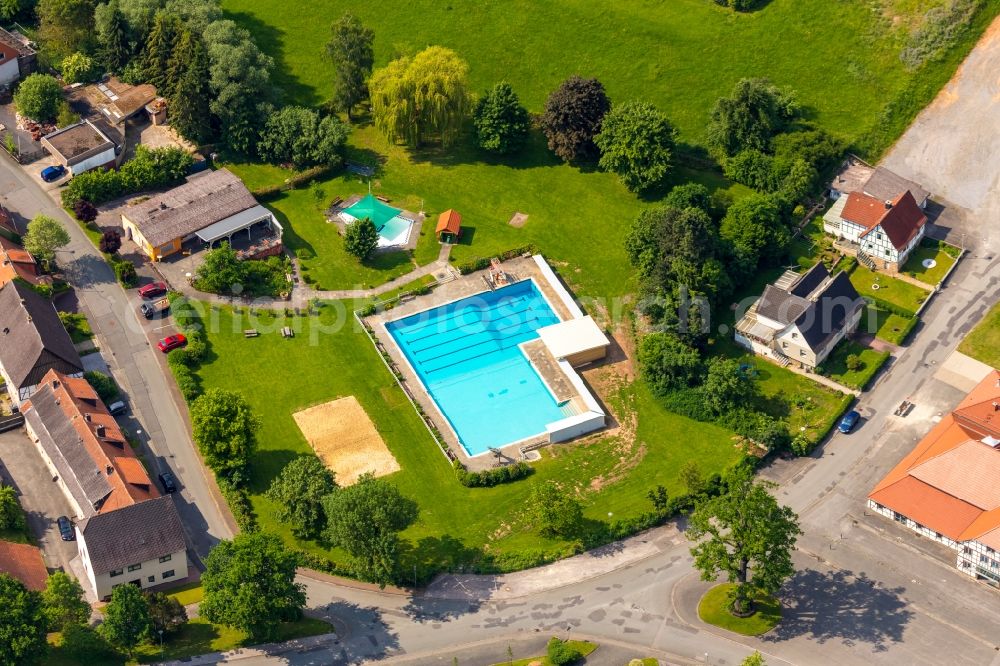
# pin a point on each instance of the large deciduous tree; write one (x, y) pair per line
(38, 97)
(22, 623)
(365, 519)
(65, 26)
(11, 514)
(421, 98)
(64, 602)
(556, 511)
(745, 534)
(501, 123)
(249, 585)
(756, 231)
(750, 116)
(668, 363)
(126, 618)
(225, 428)
(45, 235)
(361, 238)
(572, 117)
(299, 491)
(299, 135)
(352, 52)
(637, 143)
(166, 614)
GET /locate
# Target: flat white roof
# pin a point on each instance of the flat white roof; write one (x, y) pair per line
(573, 336)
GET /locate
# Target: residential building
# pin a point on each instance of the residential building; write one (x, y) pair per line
(948, 487)
(141, 544)
(801, 318)
(23, 562)
(16, 262)
(17, 57)
(82, 147)
(449, 226)
(881, 232)
(33, 341)
(83, 447)
(212, 207)
(856, 175)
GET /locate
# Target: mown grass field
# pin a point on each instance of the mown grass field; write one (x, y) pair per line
(714, 609)
(983, 343)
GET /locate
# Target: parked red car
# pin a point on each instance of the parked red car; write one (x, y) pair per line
(153, 289)
(172, 342)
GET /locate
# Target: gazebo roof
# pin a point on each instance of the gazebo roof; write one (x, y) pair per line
(376, 211)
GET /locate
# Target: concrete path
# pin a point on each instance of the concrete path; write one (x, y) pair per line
(825, 381)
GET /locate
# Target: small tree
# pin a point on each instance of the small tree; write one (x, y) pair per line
(221, 272)
(105, 386)
(11, 514)
(557, 512)
(755, 659)
(225, 429)
(22, 623)
(572, 118)
(693, 480)
(299, 491)
(746, 535)
(365, 519)
(125, 273)
(126, 618)
(78, 68)
(727, 386)
(166, 614)
(361, 238)
(111, 241)
(854, 362)
(637, 143)
(64, 602)
(351, 50)
(561, 653)
(38, 97)
(249, 585)
(501, 123)
(667, 363)
(87, 212)
(45, 235)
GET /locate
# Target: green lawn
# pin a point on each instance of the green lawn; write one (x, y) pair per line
(835, 366)
(190, 593)
(886, 325)
(903, 295)
(479, 528)
(714, 609)
(583, 647)
(983, 343)
(942, 256)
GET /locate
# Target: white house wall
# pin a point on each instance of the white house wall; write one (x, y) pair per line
(9, 71)
(104, 583)
(94, 161)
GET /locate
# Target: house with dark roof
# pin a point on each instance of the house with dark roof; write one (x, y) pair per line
(212, 207)
(947, 488)
(882, 232)
(24, 562)
(801, 318)
(856, 175)
(32, 341)
(141, 544)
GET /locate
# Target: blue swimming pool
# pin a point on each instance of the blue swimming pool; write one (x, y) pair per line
(466, 354)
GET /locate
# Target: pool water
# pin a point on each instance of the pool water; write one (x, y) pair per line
(395, 232)
(466, 354)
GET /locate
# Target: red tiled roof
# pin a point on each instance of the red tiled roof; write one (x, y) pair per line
(449, 221)
(15, 261)
(23, 562)
(928, 506)
(900, 218)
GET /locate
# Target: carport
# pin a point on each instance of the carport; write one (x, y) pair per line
(242, 221)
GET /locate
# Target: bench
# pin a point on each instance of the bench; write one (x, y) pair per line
(382, 198)
(250, 333)
(287, 332)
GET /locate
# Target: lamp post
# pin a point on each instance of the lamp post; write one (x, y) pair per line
(161, 641)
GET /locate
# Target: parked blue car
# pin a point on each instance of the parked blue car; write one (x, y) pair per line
(849, 421)
(53, 173)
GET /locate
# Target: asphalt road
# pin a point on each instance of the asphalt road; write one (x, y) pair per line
(125, 343)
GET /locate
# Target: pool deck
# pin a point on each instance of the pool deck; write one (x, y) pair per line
(464, 287)
(547, 367)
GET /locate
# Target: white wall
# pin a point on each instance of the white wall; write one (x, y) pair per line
(9, 71)
(103, 583)
(93, 162)
(557, 286)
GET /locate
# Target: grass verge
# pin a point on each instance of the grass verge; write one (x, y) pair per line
(881, 287)
(583, 647)
(835, 366)
(983, 343)
(714, 609)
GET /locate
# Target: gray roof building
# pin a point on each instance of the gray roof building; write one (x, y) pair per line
(32, 339)
(133, 534)
(886, 185)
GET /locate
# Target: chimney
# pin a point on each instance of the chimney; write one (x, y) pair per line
(86, 417)
(888, 204)
(100, 431)
(110, 469)
(996, 406)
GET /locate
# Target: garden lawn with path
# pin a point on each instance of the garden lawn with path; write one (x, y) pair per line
(943, 257)
(983, 343)
(903, 295)
(714, 609)
(835, 365)
(886, 325)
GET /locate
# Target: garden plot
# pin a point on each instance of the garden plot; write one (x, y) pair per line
(345, 439)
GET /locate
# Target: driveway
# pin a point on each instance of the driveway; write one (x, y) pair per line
(21, 466)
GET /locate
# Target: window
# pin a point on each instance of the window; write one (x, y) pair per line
(990, 550)
(168, 574)
(116, 572)
(983, 558)
(937, 535)
(784, 345)
(965, 564)
(802, 352)
(879, 236)
(887, 253)
(165, 558)
(151, 579)
(967, 550)
(134, 567)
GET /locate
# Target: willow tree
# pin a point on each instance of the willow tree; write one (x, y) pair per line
(421, 98)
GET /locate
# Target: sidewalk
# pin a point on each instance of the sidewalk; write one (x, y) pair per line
(825, 381)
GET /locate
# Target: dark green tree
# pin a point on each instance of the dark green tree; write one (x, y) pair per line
(166, 614)
(190, 107)
(667, 363)
(299, 491)
(65, 26)
(501, 123)
(352, 52)
(361, 238)
(221, 272)
(750, 116)
(161, 45)
(727, 386)
(572, 118)
(299, 135)
(365, 519)
(249, 585)
(64, 602)
(126, 618)
(745, 534)
(11, 514)
(38, 97)
(555, 510)
(22, 623)
(637, 143)
(225, 429)
(689, 195)
(756, 231)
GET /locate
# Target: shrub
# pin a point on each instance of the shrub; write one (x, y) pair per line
(488, 478)
(66, 116)
(125, 272)
(481, 263)
(560, 653)
(87, 212)
(111, 241)
(941, 28)
(854, 362)
(186, 380)
(78, 68)
(38, 97)
(740, 5)
(106, 387)
(801, 445)
(151, 168)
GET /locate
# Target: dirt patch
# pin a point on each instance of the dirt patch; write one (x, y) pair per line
(346, 440)
(518, 220)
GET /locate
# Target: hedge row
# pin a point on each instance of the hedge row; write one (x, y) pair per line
(492, 477)
(270, 192)
(239, 503)
(890, 307)
(482, 263)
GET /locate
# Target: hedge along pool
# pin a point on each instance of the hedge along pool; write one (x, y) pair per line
(467, 357)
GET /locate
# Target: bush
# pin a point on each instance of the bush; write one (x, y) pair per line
(125, 272)
(87, 212)
(240, 504)
(38, 97)
(106, 387)
(187, 382)
(111, 241)
(854, 362)
(488, 478)
(149, 169)
(482, 263)
(78, 68)
(941, 28)
(560, 653)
